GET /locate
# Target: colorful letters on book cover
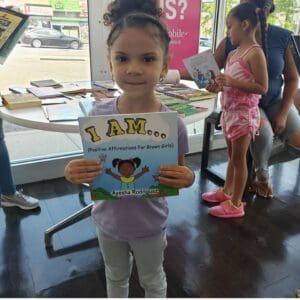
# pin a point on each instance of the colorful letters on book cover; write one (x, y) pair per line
(131, 147)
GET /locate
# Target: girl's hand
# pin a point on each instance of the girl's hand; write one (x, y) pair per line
(213, 87)
(224, 80)
(176, 176)
(279, 123)
(82, 170)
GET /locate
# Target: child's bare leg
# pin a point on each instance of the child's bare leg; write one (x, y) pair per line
(227, 189)
(240, 172)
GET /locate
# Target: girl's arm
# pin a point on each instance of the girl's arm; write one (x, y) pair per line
(82, 170)
(144, 170)
(110, 172)
(257, 63)
(291, 78)
(176, 176)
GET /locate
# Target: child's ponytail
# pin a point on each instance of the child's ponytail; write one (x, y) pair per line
(264, 31)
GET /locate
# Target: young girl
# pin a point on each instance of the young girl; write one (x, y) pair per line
(244, 81)
(131, 228)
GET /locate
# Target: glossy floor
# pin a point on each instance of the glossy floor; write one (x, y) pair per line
(255, 256)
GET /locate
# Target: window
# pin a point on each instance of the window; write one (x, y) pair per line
(45, 53)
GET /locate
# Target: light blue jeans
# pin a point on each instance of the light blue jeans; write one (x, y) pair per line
(118, 259)
(7, 185)
(268, 150)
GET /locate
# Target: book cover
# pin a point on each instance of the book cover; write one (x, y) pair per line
(183, 92)
(52, 101)
(12, 25)
(168, 100)
(14, 101)
(185, 109)
(86, 105)
(46, 83)
(131, 148)
(44, 92)
(202, 67)
(190, 94)
(62, 112)
(18, 89)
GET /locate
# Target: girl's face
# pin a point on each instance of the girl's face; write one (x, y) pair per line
(137, 61)
(126, 169)
(234, 29)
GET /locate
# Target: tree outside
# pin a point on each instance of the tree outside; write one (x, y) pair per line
(286, 15)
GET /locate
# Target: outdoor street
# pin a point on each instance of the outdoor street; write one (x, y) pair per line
(26, 63)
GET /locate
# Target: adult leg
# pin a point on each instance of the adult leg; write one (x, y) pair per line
(289, 149)
(149, 257)
(118, 265)
(9, 197)
(7, 186)
(297, 100)
(261, 149)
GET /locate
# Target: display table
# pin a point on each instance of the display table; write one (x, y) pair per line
(35, 118)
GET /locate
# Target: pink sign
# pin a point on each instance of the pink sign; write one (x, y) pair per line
(182, 18)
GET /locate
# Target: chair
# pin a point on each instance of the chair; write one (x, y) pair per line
(76, 217)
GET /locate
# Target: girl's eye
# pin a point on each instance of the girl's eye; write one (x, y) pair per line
(149, 59)
(121, 58)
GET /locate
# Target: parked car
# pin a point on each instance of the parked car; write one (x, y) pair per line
(205, 43)
(46, 37)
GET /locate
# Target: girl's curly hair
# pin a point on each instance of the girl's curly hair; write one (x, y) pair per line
(117, 9)
(135, 13)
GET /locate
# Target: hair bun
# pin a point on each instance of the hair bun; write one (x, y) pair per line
(119, 8)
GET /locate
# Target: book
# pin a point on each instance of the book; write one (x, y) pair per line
(131, 147)
(62, 112)
(13, 100)
(107, 84)
(12, 25)
(184, 92)
(53, 101)
(45, 83)
(202, 67)
(86, 105)
(168, 100)
(44, 92)
(185, 109)
(191, 94)
(18, 89)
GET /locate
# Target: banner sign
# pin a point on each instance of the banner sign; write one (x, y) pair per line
(182, 18)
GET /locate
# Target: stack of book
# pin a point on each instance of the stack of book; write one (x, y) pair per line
(44, 92)
(13, 100)
(184, 92)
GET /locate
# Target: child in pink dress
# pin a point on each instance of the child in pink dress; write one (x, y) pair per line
(244, 81)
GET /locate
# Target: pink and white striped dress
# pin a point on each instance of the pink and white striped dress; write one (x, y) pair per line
(240, 114)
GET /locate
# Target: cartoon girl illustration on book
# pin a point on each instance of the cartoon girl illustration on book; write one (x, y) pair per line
(126, 169)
